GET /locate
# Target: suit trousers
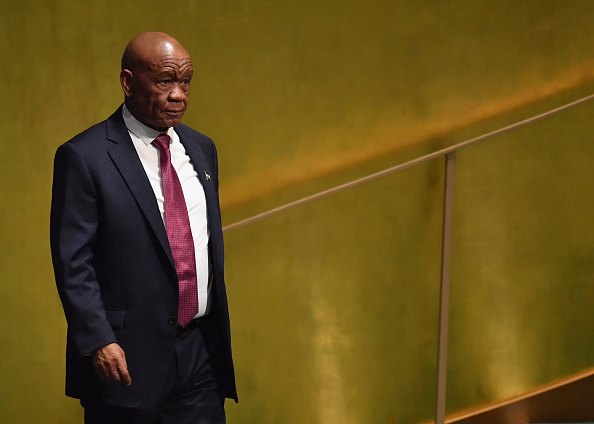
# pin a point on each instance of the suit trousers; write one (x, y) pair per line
(190, 395)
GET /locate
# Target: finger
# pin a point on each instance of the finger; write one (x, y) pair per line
(111, 373)
(122, 367)
(124, 376)
(119, 369)
(122, 370)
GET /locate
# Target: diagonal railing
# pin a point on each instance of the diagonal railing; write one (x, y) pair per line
(446, 259)
(405, 165)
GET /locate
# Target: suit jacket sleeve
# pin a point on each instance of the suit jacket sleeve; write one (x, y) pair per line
(73, 227)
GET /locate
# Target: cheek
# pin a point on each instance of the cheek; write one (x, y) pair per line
(161, 100)
(158, 102)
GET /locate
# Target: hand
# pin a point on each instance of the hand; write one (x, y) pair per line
(110, 364)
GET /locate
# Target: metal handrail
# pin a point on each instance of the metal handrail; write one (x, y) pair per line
(447, 230)
(404, 165)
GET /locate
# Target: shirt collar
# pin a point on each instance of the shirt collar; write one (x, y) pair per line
(144, 133)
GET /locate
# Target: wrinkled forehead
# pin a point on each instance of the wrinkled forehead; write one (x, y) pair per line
(164, 53)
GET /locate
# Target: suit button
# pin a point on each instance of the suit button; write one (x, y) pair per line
(172, 320)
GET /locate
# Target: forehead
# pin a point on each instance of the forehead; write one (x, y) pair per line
(168, 57)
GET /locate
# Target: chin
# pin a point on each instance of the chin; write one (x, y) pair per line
(173, 123)
(164, 124)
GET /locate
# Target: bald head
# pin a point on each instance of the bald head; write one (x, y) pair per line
(145, 46)
(155, 77)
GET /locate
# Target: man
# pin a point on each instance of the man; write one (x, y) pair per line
(137, 248)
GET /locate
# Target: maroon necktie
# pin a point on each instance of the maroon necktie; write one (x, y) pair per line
(177, 224)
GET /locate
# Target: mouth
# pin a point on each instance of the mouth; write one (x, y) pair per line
(174, 113)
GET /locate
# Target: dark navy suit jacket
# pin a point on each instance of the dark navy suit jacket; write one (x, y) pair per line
(113, 265)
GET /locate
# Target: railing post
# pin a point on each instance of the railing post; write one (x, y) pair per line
(444, 306)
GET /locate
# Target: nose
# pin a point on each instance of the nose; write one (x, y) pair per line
(177, 93)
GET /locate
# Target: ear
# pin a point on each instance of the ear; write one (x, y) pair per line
(126, 80)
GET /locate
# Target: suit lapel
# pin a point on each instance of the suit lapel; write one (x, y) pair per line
(201, 167)
(206, 179)
(122, 152)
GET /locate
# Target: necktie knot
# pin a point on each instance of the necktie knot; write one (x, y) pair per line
(162, 142)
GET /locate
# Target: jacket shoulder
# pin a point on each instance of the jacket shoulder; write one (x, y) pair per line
(100, 130)
(91, 134)
(190, 134)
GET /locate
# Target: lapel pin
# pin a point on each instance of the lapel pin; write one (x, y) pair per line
(207, 176)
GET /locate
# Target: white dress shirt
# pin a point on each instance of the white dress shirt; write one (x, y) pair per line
(142, 137)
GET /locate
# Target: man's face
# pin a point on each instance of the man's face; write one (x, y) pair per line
(159, 88)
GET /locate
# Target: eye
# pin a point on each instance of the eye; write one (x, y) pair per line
(164, 83)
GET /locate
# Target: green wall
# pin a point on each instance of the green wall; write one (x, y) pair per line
(333, 304)
(524, 258)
